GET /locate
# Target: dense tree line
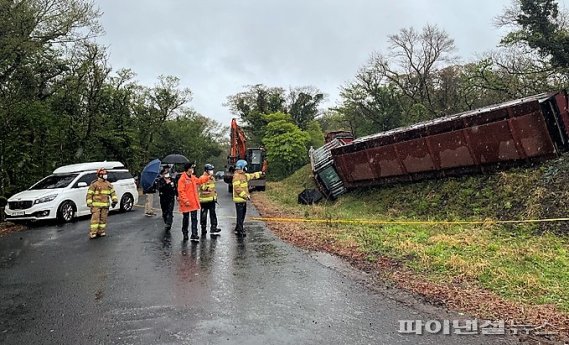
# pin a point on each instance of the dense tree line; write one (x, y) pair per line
(61, 102)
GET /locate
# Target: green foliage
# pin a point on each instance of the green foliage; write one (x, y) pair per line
(369, 105)
(540, 27)
(303, 105)
(286, 145)
(201, 146)
(316, 135)
(64, 105)
(333, 120)
(278, 116)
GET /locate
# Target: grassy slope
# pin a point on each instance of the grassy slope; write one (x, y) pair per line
(523, 262)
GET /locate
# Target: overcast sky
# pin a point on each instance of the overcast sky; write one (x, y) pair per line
(216, 47)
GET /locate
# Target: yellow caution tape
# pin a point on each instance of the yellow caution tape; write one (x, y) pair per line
(394, 222)
(404, 222)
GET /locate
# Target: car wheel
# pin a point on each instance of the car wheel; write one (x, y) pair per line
(66, 212)
(127, 203)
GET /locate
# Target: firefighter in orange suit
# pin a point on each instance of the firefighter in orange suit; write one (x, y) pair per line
(98, 195)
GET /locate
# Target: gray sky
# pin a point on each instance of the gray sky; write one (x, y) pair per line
(218, 46)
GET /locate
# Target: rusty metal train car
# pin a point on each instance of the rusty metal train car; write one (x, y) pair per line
(523, 130)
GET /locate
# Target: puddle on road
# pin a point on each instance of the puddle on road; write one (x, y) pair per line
(263, 246)
(214, 260)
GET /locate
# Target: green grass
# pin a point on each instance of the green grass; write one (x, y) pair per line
(523, 262)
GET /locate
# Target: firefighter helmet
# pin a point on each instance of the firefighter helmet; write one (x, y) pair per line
(101, 172)
(241, 164)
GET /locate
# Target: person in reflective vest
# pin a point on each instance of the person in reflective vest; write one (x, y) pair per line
(208, 199)
(98, 195)
(241, 193)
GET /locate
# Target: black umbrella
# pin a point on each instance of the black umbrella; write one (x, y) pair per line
(175, 159)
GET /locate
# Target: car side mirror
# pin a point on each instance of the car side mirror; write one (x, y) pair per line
(82, 184)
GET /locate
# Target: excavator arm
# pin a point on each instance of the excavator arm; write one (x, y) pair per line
(238, 148)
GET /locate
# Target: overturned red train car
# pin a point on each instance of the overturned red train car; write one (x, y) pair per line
(522, 130)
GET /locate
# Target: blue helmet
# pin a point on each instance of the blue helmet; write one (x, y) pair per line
(240, 164)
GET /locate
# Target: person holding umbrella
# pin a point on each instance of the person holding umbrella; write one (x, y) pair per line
(172, 160)
(148, 182)
(188, 198)
(167, 192)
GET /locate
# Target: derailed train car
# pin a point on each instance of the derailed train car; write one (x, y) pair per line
(523, 130)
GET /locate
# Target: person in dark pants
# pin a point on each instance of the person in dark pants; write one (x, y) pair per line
(208, 199)
(241, 193)
(188, 200)
(167, 191)
(241, 211)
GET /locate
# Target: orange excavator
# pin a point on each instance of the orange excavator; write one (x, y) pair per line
(255, 157)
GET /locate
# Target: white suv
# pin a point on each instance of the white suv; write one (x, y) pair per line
(62, 195)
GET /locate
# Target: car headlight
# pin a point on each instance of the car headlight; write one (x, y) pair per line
(46, 198)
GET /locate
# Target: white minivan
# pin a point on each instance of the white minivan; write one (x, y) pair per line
(62, 195)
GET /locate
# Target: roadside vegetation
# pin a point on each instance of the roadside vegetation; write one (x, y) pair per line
(61, 102)
(524, 262)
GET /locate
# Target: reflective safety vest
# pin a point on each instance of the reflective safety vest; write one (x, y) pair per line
(241, 185)
(99, 193)
(207, 191)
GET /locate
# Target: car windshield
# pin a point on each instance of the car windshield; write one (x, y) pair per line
(54, 181)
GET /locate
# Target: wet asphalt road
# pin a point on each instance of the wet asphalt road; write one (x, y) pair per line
(138, 286)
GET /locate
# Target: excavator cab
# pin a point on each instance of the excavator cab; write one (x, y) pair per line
(255, 159)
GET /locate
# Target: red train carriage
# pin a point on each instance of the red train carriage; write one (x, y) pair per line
(523, 130)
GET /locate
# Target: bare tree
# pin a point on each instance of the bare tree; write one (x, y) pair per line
(412, 61)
